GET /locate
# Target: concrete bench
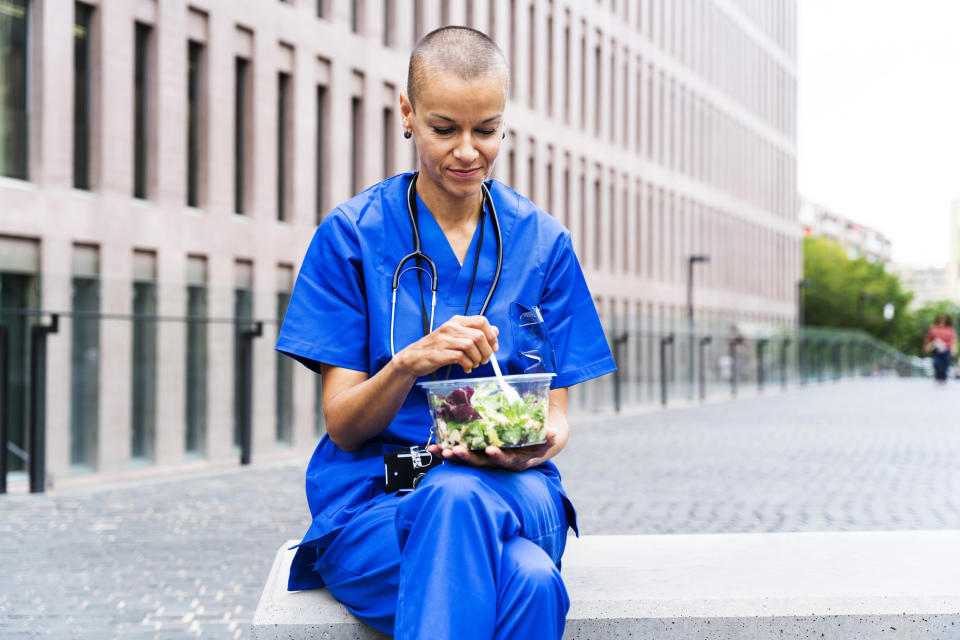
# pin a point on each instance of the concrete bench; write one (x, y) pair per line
(851, 585)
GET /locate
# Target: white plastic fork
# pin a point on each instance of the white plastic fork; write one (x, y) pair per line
(510, 392)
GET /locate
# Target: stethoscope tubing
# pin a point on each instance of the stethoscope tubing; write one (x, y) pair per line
(434, 279)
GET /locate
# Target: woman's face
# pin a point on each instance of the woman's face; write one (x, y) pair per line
(457, 126)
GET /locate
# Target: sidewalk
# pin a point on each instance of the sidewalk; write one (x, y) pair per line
(177, 557)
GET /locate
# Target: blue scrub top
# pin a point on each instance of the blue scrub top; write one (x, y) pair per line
(339, 314)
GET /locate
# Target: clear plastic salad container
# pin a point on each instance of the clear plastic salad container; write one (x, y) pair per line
(475, 412)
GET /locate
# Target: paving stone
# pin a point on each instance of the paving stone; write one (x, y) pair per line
(868, 455)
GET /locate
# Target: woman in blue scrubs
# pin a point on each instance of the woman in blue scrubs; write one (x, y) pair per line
(474, 551)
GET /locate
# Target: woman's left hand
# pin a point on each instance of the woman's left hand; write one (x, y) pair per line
(520, 458)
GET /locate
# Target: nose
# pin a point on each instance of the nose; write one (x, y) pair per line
(465, 151)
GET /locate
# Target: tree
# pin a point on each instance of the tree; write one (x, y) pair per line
(843, 288)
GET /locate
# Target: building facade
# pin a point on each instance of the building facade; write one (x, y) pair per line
(164, 164)
(928, 284)
(859, 240)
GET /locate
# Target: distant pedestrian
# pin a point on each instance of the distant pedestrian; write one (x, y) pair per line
(941, 342)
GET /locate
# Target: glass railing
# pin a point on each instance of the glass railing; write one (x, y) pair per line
(669, 367)
(144, 388)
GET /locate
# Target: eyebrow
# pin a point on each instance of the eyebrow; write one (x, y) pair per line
(437, 115)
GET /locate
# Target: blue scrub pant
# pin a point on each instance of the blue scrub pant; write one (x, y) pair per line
(471, 554)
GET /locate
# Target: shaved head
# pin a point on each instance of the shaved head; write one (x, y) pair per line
(466, 52)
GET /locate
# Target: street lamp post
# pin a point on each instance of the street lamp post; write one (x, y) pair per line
(860, 298)
(889, 310)
(692, 260)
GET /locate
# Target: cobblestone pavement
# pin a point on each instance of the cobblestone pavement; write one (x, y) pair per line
(188, 557)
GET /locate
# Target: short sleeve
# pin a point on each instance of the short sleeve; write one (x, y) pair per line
(566, 305)
(326, 320)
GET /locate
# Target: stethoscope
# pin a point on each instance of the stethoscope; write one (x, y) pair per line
(417, 255)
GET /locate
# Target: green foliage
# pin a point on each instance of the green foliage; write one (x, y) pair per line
(843, 289)
(839, 285)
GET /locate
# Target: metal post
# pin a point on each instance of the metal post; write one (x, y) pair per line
(704, 341)
(664, 342)
(784, 350)
(246, 387)
(38, 400)
(761, 344)
(691, 261)
(617, 341)
(820, 360)
(734, 368)
(4, 357)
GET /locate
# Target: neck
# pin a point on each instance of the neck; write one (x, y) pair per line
(449, 212)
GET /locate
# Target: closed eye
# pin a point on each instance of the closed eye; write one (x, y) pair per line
(442, 132)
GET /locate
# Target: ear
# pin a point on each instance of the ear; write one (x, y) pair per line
(406, 111)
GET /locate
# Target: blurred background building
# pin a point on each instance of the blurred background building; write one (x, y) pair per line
(164, 164)
(953, 266)
(928, 284)
(859, 240)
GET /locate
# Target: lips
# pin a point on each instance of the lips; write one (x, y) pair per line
(465, 173)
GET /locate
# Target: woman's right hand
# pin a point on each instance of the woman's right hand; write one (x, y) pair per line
(465, 340)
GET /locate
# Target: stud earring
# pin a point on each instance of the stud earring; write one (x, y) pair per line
(407, 134)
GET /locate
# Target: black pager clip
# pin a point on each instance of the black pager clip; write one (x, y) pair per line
(404, 469)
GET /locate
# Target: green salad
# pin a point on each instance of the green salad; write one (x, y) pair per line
(477, 417)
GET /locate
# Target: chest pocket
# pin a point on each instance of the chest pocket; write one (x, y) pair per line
(531, 340)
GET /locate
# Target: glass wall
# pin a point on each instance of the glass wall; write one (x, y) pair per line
(81, 95)
(85, 357)
(144, 391)
(196, 379)
(243, 317)
(14, 100)
(284, 395)
(18, 291)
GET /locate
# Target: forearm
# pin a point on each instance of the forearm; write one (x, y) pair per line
(362, 411)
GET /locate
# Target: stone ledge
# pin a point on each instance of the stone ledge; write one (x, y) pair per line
(894, 584)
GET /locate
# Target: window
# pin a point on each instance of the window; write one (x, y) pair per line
(389, 141)
(141, 115)
(84, 356)
(144, 392)
(356, 15)
(194, 58)
(240, 105)
(81, 95)
(356, 134)
(512, 57)
(566, 70)
(550, 101)
(597, 87)
(284, 389)
(418, 29)
(321, 151)
(14, 100)
(196, 371)
(283, 143)
(389, 19)
(532, 57)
